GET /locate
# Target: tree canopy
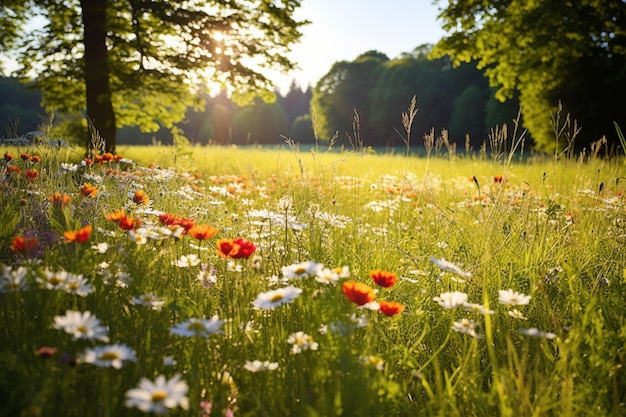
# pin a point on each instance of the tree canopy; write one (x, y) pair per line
(134, 62)
(547, 51)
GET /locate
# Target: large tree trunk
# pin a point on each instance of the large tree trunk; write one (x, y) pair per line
(100, 115)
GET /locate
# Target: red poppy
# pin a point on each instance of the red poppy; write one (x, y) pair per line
(235, 248)
(202, 232)
(383, 278)
(80, 235)
(24, 245)
(390, 308)
(357, 292)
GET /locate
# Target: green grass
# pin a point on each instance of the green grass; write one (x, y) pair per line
(549, 230)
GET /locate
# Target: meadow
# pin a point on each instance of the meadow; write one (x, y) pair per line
(217, 281)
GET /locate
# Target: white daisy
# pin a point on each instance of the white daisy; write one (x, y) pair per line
(301, 341)
(452, 299)
(537, 333)
(109, 356)
(270, 299)
(477, 308)
(258, 366)
(516, 314)
(81, 326)
(301, 270)
(159, 396)
(53, 280)
(198, 327)
(186, 261)
(13, 280)
(77, 284)
(149, 300)
(466, 326)
(510, 297)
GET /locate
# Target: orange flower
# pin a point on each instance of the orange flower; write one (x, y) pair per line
(31, 174)
(88, 161)
(383, 278)
(141, 197)
(34, 159)
(235, 248)
(88, 190)
(7, 156)
(81, 235)
(227, 248)
(390, 308)
(174, 220)
(116, 216)
(59, 199)
(357, 292)
(24, 245)
(25, 157)
(14, 168)
(203, 232)
(129, 223)
(497, 178)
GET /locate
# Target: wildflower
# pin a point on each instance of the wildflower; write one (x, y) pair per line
(516, 314)
(8, 156)
(88, 190)
(24, 245)
(53, 280)
(233, 266)
(270, 299)
(149, 300)
(202, 232)
(101, 247)
(357, 292)
(141, 198)
(235, 248)
(109, 356)
(46, 352)
(77, 284)
(449, 267)
(13, 280)
(449, 300)
(25, 157)
(478, 308)
(327, 275)
(301, 341)
(31, 174)
(510, 297)
(374, 361)
(116, 216)
(60, 200)
(385, 279)
(81, 326)
(466, 326)
(197, 327)
(390, 308)
(81, 235)
(301, 270)
(186, 261)
(34, 159)
(258, 366)
(537, 333)
(173, 220)
(159, 396)
(129, 223)
(497, 179)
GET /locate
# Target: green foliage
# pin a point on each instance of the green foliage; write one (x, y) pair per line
(547, 51)
(156, 53)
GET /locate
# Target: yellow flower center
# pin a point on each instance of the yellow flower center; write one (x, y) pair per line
(276, 297)
(196, 326)
(54, 280)
(159, 395)
(109, 356)
(82, 329)
(300, 271)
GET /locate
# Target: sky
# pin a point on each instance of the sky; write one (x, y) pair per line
(341, 30)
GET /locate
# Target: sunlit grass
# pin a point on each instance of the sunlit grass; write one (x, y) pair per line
(278, 330)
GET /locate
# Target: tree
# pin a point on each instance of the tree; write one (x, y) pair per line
(535, 47)
(133, 62)
(344, 90)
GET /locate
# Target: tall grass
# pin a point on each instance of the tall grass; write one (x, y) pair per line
(549, 229)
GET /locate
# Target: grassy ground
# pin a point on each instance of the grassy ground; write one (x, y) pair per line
(443, 336)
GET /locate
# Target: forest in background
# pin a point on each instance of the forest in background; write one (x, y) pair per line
(374, 86)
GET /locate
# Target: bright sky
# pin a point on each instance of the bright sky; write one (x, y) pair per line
(341, 30)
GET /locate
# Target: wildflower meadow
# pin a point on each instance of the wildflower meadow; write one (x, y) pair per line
(222, 281)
